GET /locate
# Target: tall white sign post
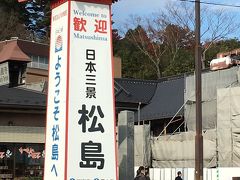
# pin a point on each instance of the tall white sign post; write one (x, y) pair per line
(80, 134)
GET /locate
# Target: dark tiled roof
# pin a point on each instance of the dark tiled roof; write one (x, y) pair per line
(126, 91)
(162, 99)
(21, 97)
(134, 91)
(167, 100)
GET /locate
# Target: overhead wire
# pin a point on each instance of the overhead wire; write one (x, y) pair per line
(211, 3)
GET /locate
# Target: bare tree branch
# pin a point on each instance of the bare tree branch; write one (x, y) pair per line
(171, 29)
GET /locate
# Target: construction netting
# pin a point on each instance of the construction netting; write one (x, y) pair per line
(178, 150)
(211, 81)
(221, 127)
(221, 145)
(228, 127)
(142, 145)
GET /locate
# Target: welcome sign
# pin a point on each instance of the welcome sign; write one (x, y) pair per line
(80, 136)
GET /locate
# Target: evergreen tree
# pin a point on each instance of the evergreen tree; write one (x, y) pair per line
(38, 19)
(135, 64)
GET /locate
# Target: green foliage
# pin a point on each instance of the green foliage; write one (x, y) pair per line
(116, 40)
(184, 62)
(137, 65)
(174, 47)
(134, 63)
(179, 55)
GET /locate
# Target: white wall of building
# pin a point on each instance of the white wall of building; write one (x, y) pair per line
(188, 173)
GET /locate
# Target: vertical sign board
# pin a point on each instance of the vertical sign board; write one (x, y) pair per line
(91, 137)
(56, 103)
(82, 99)
(4, 74)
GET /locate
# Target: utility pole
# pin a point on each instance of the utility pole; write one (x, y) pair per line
(198, 89)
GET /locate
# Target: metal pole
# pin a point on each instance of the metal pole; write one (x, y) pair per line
(198, 137)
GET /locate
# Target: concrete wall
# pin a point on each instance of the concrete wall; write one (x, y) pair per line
(34, 75)
(22, 134)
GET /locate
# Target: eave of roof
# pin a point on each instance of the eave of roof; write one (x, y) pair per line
(29, 47)
(10, 51)
(134, 90)
(34, 48)
(21, 98)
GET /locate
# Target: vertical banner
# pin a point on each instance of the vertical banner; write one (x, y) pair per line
(80, 136)
(91, 133)
(56, 104)
(4, 74)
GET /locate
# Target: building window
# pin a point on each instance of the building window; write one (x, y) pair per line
(21, 160)
(40, 62)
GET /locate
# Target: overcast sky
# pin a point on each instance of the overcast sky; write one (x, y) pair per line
(122, 9)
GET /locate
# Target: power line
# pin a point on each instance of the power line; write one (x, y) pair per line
(216, 4)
